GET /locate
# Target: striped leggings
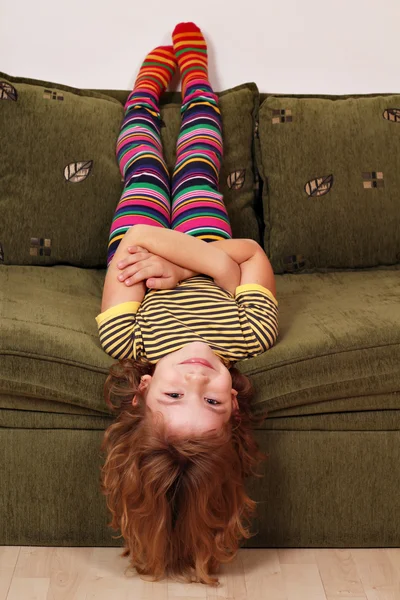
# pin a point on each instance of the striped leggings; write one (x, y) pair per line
(193, 203)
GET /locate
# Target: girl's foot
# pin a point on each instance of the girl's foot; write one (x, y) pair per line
(190, 50)
(157, 70)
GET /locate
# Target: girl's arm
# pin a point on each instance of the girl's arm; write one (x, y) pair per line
(240, 250)
(114, 291)
(211, 262)
(189, 252)
(163, 242)
(254, 263)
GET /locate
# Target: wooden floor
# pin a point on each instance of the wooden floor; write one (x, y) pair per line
(32, 573)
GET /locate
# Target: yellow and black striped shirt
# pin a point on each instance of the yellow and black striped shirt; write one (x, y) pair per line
(235, 327)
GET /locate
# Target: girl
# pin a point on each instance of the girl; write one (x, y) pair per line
(178, 311)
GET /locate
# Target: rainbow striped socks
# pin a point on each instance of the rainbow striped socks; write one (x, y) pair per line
(157, 70)
(190, 50)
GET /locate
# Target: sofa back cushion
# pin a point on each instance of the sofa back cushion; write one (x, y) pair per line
(59, 178)
(331, 181)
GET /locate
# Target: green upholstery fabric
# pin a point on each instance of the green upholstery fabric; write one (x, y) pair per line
(59, 177)
(322, 487)
(331, 181)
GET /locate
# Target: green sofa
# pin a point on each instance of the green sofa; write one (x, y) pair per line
(315, 180)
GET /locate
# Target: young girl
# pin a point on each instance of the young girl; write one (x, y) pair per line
(178, 311)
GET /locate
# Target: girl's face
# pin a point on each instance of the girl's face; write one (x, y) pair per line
(192, 397)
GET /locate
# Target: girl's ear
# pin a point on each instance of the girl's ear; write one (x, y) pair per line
(143, 385)
(145, 381)
(235, 403)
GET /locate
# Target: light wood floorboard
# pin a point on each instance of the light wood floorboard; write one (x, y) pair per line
(35, 573)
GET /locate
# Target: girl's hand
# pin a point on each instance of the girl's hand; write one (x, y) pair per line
(142, 265)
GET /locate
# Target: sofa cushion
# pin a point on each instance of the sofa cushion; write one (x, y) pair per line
(58, 174)
(60, 178)
(338, 348)
(331, 181)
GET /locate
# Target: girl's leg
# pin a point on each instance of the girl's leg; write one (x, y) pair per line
(197, 205)
(146, 195)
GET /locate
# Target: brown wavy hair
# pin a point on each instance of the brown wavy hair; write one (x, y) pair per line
(179, 502)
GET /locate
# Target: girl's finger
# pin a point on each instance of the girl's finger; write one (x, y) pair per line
(137, 249)
(134, 274)
(160, 283)
(129, 271)
(132, 259)
(154, 283)
(145, 273)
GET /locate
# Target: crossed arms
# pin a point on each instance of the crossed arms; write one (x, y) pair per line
(230, 262)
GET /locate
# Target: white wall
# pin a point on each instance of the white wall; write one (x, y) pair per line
(285, 46)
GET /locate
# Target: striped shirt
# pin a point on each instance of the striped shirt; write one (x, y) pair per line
(235, 327)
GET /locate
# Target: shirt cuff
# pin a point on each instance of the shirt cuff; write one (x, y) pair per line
(248, 287)
(119, 309)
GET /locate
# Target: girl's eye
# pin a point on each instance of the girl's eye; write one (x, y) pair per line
(172, 394)
(213, 402)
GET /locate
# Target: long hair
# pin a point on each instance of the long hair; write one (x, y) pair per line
(179, 502)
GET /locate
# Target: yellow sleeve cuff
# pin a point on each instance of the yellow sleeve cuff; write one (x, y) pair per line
(248, 287)
(119, 309)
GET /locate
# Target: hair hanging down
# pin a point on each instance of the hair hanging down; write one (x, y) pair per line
(179, 503)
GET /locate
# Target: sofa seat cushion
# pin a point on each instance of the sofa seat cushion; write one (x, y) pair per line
(338, 348)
